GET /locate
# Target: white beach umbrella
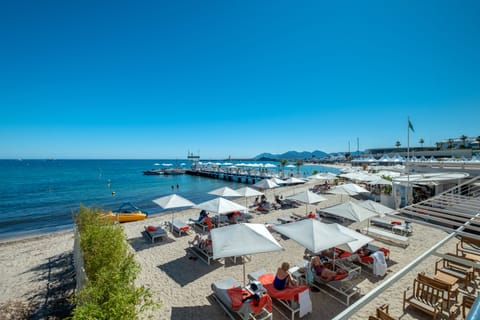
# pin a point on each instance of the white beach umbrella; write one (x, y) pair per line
(352, 246)
(351, 211)
(269, 165)
(379, 181)
(376, 207)
(242, 239)
(265, 184)
(293, 180)
(248, 192)
(350, 189)
(220, 205)
(173, 201)
(225, 192)
(314, 235)
(278, 180)
(307, 197)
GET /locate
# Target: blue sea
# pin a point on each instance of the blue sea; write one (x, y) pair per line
(40, 196)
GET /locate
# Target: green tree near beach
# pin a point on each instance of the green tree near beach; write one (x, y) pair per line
(283, 163)
(110, 291)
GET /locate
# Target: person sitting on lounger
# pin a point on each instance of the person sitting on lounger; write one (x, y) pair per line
(201, 241)
(326, 274)
(283, 278)
(201, 217)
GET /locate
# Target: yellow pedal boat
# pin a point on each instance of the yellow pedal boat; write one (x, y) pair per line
(125, 214)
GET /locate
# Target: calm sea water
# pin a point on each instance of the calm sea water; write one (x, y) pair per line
(39, 196)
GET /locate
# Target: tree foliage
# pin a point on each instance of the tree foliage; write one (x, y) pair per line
(110, 292)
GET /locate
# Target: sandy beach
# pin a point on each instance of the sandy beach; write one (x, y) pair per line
(30, 267)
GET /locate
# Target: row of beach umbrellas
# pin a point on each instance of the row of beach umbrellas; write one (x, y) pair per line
(247, 238)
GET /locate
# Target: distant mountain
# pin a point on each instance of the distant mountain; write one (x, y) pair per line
(292, 155)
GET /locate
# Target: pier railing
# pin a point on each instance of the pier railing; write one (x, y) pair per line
(81, 275)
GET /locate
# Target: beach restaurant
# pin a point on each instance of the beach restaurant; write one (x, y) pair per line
(419, 187)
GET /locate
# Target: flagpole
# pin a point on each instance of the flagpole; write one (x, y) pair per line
(407, 194)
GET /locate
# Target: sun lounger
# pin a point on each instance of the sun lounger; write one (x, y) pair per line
(341, 290)
(327, 215)
(155, 232)
(205, 253)
(388, 236)
(202, 225)
(179, 227)
(230, 295)
(296, 299)
(394, 226)
(284, 220)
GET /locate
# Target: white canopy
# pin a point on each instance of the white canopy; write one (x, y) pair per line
(380, 181)
(225, 192)
(248, 192)
(324, 176)
(173, 201)
(278, 180)
(293, 180)
(242, 239)
(376, 207)
(220, 205)
(351, 211)
(265, 184)
(308, 197)
(314, 235)
(352, 246)
(350, 189)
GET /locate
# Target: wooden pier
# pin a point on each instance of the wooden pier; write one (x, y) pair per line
(229, 176)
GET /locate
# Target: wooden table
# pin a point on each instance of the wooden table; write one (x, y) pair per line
(451, 280)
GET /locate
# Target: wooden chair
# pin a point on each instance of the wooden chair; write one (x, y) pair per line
(425, 297)
(450, 291)
(382, 314)
(467, 302)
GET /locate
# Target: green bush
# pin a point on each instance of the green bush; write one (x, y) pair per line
(110, 292)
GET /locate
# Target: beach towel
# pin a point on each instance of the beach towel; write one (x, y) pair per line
(379, 263)
(305, 303)
(289, 293)
(238, 295)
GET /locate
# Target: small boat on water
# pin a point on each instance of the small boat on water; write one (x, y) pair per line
(126, 213)
(153, 172)
(174, 171)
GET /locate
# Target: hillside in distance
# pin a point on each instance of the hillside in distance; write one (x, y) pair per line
(292, 155)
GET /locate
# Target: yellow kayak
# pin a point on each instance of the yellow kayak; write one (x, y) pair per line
(126, 213)
(124, 217)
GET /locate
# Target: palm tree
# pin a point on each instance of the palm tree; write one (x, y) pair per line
(397, 144)
(463, 138)
(450, 143)
(421, 142)
(298, 163)
(283, 163)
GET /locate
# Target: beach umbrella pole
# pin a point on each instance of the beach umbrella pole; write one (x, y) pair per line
(244, 281)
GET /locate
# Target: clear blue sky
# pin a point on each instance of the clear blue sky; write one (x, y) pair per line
(154, 79)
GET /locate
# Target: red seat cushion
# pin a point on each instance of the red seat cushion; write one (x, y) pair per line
(340, 276)
(152, 228)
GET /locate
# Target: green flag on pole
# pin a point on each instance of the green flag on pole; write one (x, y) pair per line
(410, 126)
